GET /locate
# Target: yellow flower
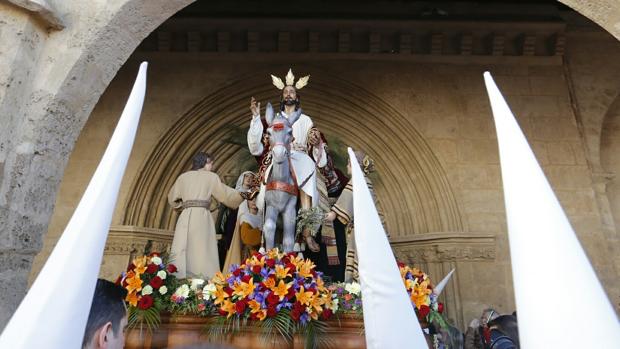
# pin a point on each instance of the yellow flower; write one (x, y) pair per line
(270, 283)
(255, 261)
(262, 314)
(282, 272)
(228, 307)
(220, 295)
(219, 278)
(132, 298)
(254, 305)
(315, 305)
(244, 289)
(314, 315)
(304, 269)
(304, 297)
(320, 285)
(274, 253)
(281, 290)
(140, 264)
(134, 284)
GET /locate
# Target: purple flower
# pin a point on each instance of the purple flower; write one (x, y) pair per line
(285, 305)
(304, 318)
(266, 272)
(259, 297)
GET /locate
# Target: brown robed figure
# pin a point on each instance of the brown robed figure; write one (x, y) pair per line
(194, 247)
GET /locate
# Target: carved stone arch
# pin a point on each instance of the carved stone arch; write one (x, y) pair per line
(412, 187)
(610, 163)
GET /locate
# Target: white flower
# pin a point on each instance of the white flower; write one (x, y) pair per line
(353, 288)
(196, 283)
(162, 274)
(209, 291)
(182, 291)
(147, 290)
(156, 260)
(163, 290)
(335, 305)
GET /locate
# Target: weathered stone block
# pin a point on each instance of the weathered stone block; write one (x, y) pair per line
(478, 151)
(560, 153)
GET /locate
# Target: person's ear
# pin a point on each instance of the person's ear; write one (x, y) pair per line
(103, 336)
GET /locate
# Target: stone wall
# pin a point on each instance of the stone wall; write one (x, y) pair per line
(50, 81)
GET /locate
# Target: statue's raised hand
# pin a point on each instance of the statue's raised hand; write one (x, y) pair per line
(254, 107)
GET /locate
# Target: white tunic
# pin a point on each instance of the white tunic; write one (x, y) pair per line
(303, 165)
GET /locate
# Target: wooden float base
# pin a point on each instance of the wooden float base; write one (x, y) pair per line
(345, 332)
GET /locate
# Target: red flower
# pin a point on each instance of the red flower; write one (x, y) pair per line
(271, 263)
(253, 316)
(153, 254)
(424, 310)
(291, 293)
(237, 272)
(130, 267)
(201, 307)
(273, 299)
(440, 308)
(240, 306)
(326, 314)
(271, 310)
(246, 278)
(400, 264)
(256, 269)
(257, 255)
(172, 268)
(298, 306)
(228, 290)
(145, 302)
(156, 282)
(286, 260)
(151, 268)
(222, 312)
(295, 314)
(292, 267)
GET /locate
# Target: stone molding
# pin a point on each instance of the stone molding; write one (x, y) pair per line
(132, 240)
(444, 247)
(42, 9)
(355, 37)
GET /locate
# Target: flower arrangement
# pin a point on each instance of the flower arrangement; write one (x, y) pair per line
(347, 296)
(423, 299)
(148, 281)
(281, 291)
(192, 296)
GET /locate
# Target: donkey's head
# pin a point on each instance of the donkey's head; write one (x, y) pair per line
(280, 133)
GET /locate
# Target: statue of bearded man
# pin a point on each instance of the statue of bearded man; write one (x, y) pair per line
(309, 154)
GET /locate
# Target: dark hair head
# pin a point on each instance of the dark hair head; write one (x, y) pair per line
(108, 306)
(200, 160)
(507, 325)
(297, 101)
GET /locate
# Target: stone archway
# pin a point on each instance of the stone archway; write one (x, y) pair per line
(605, 13)
(610, 181)
(57, 79)
(412, 186)
(60, 81)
